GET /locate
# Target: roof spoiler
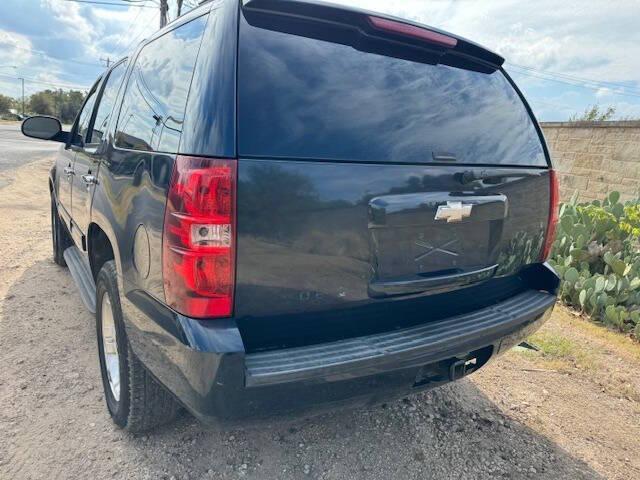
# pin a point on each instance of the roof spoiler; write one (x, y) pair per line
(371, 32)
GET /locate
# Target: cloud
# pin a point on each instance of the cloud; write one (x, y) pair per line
(100, 32)
(63, 42)
(70, 22)
(597, 40)
(627, 110)
(591, 39)
(587, 38)
(15, 49)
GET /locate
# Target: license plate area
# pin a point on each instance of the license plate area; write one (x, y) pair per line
(431, 250)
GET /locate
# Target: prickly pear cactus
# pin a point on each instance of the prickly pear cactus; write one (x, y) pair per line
(597, 255)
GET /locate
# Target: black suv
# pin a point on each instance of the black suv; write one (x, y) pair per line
(282, 206)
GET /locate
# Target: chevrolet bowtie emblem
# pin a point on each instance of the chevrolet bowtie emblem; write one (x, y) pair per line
(453, 212)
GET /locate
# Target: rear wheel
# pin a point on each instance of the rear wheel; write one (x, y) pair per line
(135, 400)
(59, 236)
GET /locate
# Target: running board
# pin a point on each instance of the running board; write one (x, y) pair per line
(81, 273)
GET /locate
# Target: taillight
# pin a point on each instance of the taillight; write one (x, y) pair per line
(554, 205)
(407, 30)
(198, 246)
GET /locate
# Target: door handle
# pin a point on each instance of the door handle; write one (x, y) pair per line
(89, 179)
(69, 171)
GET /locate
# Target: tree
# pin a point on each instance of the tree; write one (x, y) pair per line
(42, 103)
(594, 114)
(5, 103)
(57, 103)
(70, 106)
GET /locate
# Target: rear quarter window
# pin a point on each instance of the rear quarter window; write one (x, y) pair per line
(311, 99)
(84, 118)
(152, 112)
(107, 100)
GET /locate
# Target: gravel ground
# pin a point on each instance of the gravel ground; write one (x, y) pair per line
(518, 418)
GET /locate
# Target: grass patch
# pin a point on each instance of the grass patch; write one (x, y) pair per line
(561, 351)
(622, 343)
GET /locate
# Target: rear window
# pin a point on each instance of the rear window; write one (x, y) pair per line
(310, 99)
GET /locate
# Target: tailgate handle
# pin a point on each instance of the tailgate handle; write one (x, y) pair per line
(436, 283)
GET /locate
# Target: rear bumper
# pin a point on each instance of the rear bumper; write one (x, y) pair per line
(411, 347)
(203, 363)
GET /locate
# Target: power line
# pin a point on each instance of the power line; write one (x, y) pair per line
(132, 24)
(51, 84)
(593, 89)
(39, 69)
(95, 2)
(572, 83)
(137, 37)
(565, 76)
(551, 104)
(576, 78)
(141, 2)
(48, 56)
(44, 54)
(188, 4)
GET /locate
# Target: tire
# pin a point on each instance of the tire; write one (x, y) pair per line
(59, 236)
(139, 403)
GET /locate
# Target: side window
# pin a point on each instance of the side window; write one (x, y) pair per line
(153, 108)
(107, 101)
(84, 117)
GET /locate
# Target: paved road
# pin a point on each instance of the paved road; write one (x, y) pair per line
(16, 149)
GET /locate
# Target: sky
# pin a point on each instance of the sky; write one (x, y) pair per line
(564, 55)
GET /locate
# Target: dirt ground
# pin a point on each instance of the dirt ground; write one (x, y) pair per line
(571, 410)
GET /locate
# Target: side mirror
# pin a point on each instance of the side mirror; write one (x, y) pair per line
(44, 128)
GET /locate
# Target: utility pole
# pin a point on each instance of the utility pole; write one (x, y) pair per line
(107, 61)
(164, 8)
(22, 79)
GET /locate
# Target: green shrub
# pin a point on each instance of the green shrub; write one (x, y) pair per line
(597, 255)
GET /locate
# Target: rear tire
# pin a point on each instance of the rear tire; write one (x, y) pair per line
(138, 403)
(59, 236)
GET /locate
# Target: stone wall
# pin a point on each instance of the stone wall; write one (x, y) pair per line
(595, 158)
